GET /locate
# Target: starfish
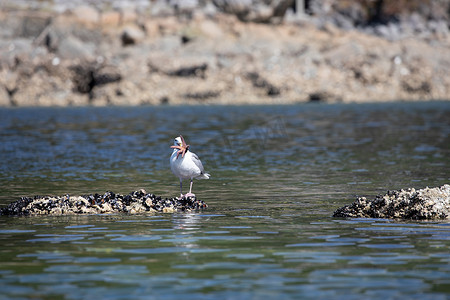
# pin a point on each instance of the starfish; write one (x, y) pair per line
(182, 148)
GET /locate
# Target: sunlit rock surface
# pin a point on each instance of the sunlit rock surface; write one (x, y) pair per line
(111, 52)
(423, 204)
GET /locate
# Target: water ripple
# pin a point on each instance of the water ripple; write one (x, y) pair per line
(278, 174)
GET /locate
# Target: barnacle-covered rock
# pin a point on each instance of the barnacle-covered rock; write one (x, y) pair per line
(423, 204)
(133, 203)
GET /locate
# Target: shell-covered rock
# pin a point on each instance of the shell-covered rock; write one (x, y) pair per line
(133, 203)
(423, 204)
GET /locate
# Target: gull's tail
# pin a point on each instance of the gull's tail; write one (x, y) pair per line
(203, 176)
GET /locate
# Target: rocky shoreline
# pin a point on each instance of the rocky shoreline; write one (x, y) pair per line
(410, 204)
(422, 204)
(213, 54)
(137, 202)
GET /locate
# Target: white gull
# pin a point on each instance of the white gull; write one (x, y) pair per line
(186, 164)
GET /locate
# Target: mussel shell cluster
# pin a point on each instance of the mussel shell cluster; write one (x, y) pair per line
(423, 204)
(107, 203)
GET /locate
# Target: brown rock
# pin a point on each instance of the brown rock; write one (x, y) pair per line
(86, 15)
(151, 27)
(128, 15)
(169, 25)
(42, 90)
(110, 18)
(211, 29)
(291, 61)
(73, 48)
(77, 99)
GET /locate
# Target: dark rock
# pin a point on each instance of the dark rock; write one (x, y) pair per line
(323, 96)
(83, 77)
(196, 71)
(439, 27)
(239, 8)
(423, 204)
(255, 11)
(87, 75)
(164, 100)
(132, 35)
(393, 20)
(185, 39)
(106, 74)
(317, 97)
(202, 95)
(259, 82)
(416, 85)
(135, 202)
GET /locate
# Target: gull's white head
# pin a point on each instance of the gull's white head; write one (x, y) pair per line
(177, 141)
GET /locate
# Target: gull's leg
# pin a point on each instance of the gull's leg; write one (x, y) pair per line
(181, 188)
(190, 190)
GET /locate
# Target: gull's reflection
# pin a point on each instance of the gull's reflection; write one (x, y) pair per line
(188, 222)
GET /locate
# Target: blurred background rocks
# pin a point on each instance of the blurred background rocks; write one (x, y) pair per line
(111, 52)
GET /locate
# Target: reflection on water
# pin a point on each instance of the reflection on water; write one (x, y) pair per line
(201, 254)
(278, 173)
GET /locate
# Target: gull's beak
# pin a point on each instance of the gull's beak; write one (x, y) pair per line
(182, 148)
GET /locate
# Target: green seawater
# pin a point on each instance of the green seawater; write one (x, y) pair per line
(277, 175)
